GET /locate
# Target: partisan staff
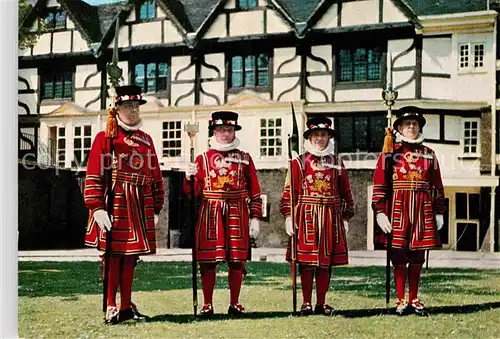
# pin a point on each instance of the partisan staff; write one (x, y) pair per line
(115, 74)
(293, 146)
(191, 129)
(389, 95)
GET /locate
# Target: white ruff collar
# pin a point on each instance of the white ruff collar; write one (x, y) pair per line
(418, 140)
(224, 147)
(311, 149)
(128, 127)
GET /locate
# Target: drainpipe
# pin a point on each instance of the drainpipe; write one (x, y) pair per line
(493, 141)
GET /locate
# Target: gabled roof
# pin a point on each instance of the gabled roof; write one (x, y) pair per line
(96, 23)
(193, 18)
(437, 7)
(194, 12)
(300, 10)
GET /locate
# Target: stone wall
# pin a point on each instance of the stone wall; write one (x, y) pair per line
(272, 232)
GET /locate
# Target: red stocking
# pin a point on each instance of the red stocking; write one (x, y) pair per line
(306, 278)
(208, 278)
(235, 279)
(113, 279)
(400, 280)
(127, 278)
(322, 284)
(414, 279)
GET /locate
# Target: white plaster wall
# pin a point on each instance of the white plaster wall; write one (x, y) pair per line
(283, 54)
(218, 28)
(230, 4)
(30, 101)
(84, 71)
(171, 34)
(263, 95)
(407, 91)
(53, 3)
(359, 94)
(146, 33)
(83, 97)
(122, 38)
(437, 88)
(43, 45)
(283, 84)
(450, 164)
(24, 52)
(473, 85)
(397, 47)
(29, 74)
(275, 24)
(329, 19)
(360, 12)
(436, 56)
(431, 129)
(216, 60)
(453, 128)
(391, 13)
(323, 82)
(213, 87)
(69, 23)
(160, 13)
(180, 62)
(62, 42)
(131, 16)
(246, 23)
(44, 109)
(179, 90)
(323, 52)
(79, 44)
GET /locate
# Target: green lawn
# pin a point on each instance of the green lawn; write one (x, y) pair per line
(64, 300)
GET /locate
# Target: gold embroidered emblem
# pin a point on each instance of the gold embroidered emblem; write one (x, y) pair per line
(130, 142)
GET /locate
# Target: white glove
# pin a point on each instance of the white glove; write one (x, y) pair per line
(346, 226)
(254, 228)
(289, 226)
(439, 221)
(102, 219)
(384, 223)
(190, 169)
(157, 217)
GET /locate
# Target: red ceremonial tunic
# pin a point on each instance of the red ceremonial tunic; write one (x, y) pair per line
(137, 188)
(417, 196)
(230, 194)
(323, 198)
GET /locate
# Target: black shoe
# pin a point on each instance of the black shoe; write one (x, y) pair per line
(111, 315)
(130, 314)
(323, 309)
(306, 309)
(207, 310)
(139, 315)
(418, 308)
(401, 307)
(236, 310)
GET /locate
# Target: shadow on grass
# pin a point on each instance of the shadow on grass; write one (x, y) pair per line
(357, 313)
(190, 318)
(458, 309)
(67, 279)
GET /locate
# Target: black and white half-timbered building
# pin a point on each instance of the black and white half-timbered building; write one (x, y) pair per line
(256, 57)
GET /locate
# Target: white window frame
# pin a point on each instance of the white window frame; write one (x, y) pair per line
(82, 137)
(275, 137)
(463, 137)
(164, 150)
(57, 161)
(457, 221)
(471, 57)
